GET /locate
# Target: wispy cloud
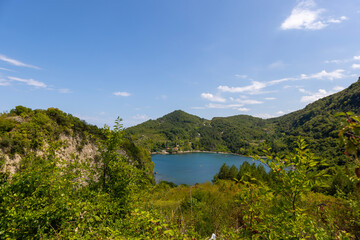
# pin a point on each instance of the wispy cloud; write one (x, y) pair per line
(306, 16)
(238, 107)
(163, 97)
(17, 62)
(5, 69)
(141, 117)
(224, 106)
(315, 96)
(336, 61)
(64, 90)
(265, 115)
(30, 82)
(212, 98)
(340, 61)
(277, 65)
(4, 82)
(312, 97)
(246, 101)
(338, 88)
(270, 98)
(122, 94)
(254, 88)
(241, 76)
(257, 87)
(336, 74)
(355, 66)
(337, 20)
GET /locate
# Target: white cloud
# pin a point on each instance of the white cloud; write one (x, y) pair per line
(224, 106)
(5, 69)
(30, 82)
(338, 88)
(312, 97)
(254, 88)
(140, 117)
(336, 61)
(347, 60)
(336, 74)
(282, 80)
(277, 65)
(355, 66)
(246, 101)
(213, 98)
(122, 94)
(241, 76)
(17, 62)
(315, 96)
(4, 82)
(280, 112)
(302, 17)
(243, 109)
(303, 91)
(306, 16)
(264, 115)
(339, 20)
(64, 90)
(270, 98)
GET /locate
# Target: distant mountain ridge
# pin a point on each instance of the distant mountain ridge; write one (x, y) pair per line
(244, 134)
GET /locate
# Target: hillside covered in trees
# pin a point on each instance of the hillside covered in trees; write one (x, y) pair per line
(246, 134)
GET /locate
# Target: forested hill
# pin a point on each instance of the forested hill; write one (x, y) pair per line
(246, 134)
(313, 116)
(24, 131)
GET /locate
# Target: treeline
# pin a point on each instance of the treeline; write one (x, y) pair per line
(246, 172)
(25, 129)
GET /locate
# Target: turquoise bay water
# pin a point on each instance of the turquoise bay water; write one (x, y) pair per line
(191, 168)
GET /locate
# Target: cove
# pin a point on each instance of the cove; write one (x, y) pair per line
(192, 168)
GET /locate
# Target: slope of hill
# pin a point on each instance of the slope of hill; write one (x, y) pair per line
(24, 131)
(244, 134)
(310, 118)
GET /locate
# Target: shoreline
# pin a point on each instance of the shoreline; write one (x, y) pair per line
(195, 151)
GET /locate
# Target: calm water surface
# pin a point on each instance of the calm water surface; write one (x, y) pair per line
(191, 168)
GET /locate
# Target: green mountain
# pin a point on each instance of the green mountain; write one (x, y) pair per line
(245, 134)
(189, 132)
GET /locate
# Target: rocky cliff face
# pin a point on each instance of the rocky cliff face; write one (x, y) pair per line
(70, 148)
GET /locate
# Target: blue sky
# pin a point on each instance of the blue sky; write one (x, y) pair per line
(143, 59)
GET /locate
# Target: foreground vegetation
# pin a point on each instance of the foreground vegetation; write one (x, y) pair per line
(112, 196)
(292, 201)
